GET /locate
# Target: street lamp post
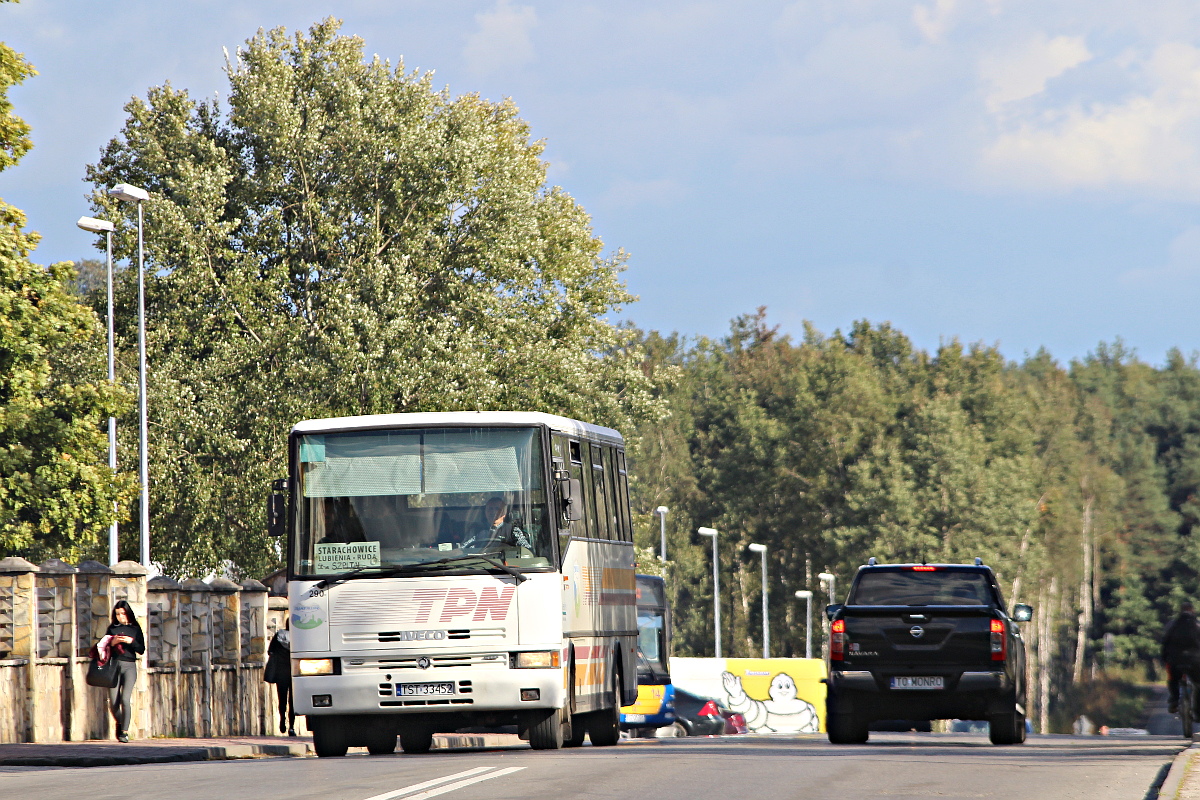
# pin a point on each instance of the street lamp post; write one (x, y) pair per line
(827, 580)
(806, 596)
(136, 194)
(104, 226)
(662, 525)
(761, 549)
(716, 588)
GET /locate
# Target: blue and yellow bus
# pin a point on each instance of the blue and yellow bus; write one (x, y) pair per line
(655, 704)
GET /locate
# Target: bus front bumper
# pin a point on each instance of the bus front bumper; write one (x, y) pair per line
(450, 690)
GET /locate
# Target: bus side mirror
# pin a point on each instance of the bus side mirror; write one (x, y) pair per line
(276, 515)
(571, 491)
(1022, 612)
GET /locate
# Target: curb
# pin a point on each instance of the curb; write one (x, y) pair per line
(226, 752)
(1174, 780)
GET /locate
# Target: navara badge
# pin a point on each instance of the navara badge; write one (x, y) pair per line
(917, 631)
(424, 663)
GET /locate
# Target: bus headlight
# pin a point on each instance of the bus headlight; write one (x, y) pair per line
(312, 666)
(537, 659)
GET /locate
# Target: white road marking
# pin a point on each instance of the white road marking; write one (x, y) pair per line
(415, 792)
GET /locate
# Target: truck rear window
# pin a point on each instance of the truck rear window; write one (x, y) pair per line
(905, 588)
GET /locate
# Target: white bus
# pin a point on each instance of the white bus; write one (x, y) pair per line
(452, 570)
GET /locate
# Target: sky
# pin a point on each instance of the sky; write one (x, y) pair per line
(1013, 172)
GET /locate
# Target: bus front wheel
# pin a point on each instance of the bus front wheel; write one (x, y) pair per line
(329, 738)
(546, 729)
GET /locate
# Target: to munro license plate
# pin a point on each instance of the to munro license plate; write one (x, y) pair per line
(424, 689)
(918, 682)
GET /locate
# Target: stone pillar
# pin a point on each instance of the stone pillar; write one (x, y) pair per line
(195, 651)
(57, 635)
(93, 610)
(225, 601)
(128, 583)
(253, 657)
(18, 589)
(162, 654)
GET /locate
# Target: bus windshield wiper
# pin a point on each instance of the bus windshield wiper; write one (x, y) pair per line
(345, 576)
(387, 572)
(445, 562)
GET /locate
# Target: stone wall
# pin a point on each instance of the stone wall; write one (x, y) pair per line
(201, 675)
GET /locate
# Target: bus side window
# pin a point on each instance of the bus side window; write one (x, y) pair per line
(602, 519)
(580, 467)
(616, 529)
(623, 497)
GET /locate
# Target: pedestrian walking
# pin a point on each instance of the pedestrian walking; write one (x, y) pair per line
(279, 672)
(126, 643)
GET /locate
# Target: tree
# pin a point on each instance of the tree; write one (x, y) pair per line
(346, 240)
(56, 490)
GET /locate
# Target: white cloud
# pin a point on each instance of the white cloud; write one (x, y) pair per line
(502, 40)
(934, 21)
(1023, 72)
(1183, 261)
(1147, 140)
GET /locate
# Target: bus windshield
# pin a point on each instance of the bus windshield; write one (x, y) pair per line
(377, 500)
(652, 629)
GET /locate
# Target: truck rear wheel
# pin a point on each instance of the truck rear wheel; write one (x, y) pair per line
(846, 728)
(1007, 728)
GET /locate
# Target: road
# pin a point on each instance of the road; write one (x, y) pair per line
(730, 768)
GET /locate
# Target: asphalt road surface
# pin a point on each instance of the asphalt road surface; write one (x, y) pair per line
(726, 768)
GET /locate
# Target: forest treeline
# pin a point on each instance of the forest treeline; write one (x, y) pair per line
(1077, 483)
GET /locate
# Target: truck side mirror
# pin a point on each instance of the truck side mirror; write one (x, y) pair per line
(276, 515)
(1022, 612)
(831, 611)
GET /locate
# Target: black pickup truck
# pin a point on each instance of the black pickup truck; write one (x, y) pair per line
(925, 642)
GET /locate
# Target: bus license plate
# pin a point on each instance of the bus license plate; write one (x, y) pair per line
(634, 718)
(918, 682)
(423, 689)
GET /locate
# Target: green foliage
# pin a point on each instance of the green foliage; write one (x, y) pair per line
(1078, 484)
(56, 490)
(345, 240)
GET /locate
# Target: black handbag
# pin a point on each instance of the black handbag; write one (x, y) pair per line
(102, 674)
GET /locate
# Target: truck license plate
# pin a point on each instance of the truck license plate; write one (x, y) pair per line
(423, 689)
(918, 682)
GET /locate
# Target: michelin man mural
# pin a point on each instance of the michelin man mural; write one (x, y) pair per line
(783, 711)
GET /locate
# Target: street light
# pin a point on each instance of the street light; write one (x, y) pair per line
(761, 549)
(135, 194)
(827, 580)
(716, 588)
(104, 226)
(806, 595)
(662, 523)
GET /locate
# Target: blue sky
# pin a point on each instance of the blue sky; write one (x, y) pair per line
(1007, 171)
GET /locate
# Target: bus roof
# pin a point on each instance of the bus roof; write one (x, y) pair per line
(438, 418)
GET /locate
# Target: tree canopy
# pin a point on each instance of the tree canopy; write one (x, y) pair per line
(345, 239)
(56, 490)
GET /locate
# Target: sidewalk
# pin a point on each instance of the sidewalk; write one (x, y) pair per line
(105, 753)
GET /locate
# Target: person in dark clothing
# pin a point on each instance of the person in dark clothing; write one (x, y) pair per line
(1181, 653)
(279, 672)
(127, 644)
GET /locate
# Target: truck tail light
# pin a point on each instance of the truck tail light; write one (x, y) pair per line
(837, 640)
(999, 640)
